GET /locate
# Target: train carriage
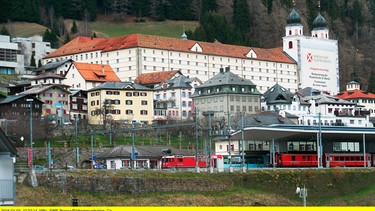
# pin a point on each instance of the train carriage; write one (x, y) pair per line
(347, 160)
(296, 160)
(181, 161)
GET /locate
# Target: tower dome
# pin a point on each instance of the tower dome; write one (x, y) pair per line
(319, 22)
(293, 18)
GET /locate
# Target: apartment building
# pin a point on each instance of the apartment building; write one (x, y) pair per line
(120, 101)
(227, 94)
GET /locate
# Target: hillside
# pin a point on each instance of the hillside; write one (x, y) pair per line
(356, 42)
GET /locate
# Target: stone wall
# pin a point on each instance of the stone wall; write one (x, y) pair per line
(67, 182)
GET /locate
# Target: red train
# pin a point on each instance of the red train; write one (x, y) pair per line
(181, 161)
(329, 160)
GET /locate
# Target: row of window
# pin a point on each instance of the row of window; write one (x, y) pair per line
(118, 111)
(232, 98)
(128, 94)
(24, 105)
(171, 54)
(116, 102)
(50, 94)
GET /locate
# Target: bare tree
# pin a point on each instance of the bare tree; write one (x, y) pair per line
(105, 110)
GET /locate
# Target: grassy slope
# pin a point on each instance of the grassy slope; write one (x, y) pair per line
(168, 28)
(332, 187)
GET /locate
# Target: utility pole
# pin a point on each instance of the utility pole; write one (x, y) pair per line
(31, 132)
(92, 147)
(242, 142)
(230, 145)
(196, 139)
(132, 157)
(76, 141)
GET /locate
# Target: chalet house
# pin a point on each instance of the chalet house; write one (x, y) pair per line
(85, 76)
(8, 155)
(19, 106)
(78, 104)
(55, 98)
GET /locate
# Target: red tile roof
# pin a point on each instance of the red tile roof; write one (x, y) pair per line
(94, 72)
(355, 94)
(85, 44)
(78, 45)
(155, 77)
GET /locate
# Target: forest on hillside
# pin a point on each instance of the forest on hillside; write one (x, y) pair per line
(256, 23)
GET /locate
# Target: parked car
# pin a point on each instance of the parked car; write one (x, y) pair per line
(39, 168)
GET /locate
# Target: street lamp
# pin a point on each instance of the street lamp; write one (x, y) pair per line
(22, 139)
(209, 114)
(31, 132)
(302, 192)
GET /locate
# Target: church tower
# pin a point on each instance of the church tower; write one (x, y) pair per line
(320, 29)
(316, 55)
(294, 26)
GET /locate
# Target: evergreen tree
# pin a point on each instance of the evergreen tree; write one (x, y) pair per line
(209, 6)
(269, 6)
(141, 8)
(32, 61)
(94, 35)
(4, 31)
(157, 10)
(357, 13)
(371, 83)
(241, 15)
(179, 10)
(67, 38)
(22, 10)
(74, 28)
(50, 36)
(356, 16)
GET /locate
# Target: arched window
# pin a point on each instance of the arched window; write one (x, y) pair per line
(290, 44)
(290, 32)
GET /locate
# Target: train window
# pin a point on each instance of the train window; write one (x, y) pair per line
(290, 147)
(293, 158)
(179, 160)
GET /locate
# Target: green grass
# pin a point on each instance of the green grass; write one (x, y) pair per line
(268, 188)
(167, 28)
